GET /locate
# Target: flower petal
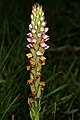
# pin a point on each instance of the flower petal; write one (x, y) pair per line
(39, 34)
(29, 55)
(29, 34)
(30, 26)
(36, 27)
(42, 18)
(38, 74)
(32, 16)
(43, 23)
(46, 29)
(42, 58)
(47, 39)
(32, 22)
(34, 40)
(42, 44)
(30, 81)
(46, 47)
(28, 67)
(45, 36)
(29, 39)
(38, 53)
(38, 22)
(29, 45)
(32, 62)
(34, 93)
(42, 83)
(33, 30)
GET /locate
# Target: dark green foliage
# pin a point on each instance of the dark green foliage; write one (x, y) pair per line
(61, 100)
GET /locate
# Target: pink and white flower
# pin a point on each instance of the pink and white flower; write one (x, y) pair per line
(29, 34)
(39, 53)
(39, 34)
(42, 44)
(46, 29)
(29, 39)
(33, 30)
(34, 40)
(29, 46)
(46, 47)
(45, 36)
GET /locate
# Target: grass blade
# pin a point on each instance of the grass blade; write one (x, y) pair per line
(54, 91)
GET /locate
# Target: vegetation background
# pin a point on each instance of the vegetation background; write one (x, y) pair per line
(61, 100)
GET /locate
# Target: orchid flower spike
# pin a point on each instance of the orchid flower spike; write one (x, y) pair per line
(36, 43)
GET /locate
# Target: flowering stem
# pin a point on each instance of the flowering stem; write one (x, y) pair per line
(36, 39)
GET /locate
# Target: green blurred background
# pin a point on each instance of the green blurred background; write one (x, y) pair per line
(61, 100)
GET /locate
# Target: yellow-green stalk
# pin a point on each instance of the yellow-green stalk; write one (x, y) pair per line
(36, 39)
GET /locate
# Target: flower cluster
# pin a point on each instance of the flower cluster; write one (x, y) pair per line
(37, 38)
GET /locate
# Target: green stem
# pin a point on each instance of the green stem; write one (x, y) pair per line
(35, 109)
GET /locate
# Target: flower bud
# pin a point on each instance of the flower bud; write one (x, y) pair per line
(46, 29)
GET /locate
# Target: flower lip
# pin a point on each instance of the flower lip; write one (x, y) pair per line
(42, 58)
(29, 39)
(29, 55)
(46, 47)
(29, 34)
(39, 53)
(42, 44)
(29, 45)
(45, 36)
(34, 40)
